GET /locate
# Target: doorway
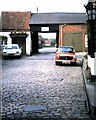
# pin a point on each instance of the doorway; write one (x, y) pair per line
(43, 29)
(73, 39)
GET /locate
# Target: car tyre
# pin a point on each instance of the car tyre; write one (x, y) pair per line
(56, 63)
(4, 57)
(73, 63)
(20, 56)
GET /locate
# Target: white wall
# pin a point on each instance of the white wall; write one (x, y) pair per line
(9, 41)
(86, 41)
(28, 41)
(28, 44)
(92, 64)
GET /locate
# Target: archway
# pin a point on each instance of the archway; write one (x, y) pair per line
(48, 28)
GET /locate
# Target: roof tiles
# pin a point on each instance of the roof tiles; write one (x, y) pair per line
(57, 18)
(15, 20)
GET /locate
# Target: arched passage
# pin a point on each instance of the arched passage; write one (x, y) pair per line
(35, 29)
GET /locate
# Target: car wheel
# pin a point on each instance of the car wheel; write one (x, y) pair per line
(4, 57)
(56, 63)
(74, 63)
(20, 56)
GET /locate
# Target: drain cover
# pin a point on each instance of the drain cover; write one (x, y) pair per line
(55, 79)
(30, 108)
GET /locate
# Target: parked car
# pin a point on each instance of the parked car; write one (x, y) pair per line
(12, 50)
(65, 55)
(2, 47)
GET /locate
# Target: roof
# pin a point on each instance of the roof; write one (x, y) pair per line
(57, 18)
(15, 20)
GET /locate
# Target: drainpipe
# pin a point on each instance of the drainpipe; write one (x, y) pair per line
(61, 38)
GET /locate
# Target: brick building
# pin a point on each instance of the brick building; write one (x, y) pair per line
(70, 28)
(74, 35)
(23, 28)
(15, 26)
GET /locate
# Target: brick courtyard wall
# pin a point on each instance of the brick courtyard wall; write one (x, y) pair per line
(81, 28)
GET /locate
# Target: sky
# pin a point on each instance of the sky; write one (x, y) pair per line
(44, 6)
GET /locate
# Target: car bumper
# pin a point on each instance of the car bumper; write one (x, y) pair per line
(11, 54)
(66, 61)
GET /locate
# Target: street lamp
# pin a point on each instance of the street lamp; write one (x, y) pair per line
(91, 10)
(91, 27)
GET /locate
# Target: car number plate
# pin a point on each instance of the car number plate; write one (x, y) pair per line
(66, 62)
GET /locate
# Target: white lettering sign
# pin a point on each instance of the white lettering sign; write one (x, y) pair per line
(44, 28)
(91, 0)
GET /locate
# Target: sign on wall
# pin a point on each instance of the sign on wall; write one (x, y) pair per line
(91, 0)
(44, 29)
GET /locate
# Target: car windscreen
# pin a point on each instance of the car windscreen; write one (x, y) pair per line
(65, 49)
(11, 47)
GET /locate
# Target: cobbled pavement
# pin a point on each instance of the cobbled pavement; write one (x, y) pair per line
(35, 88)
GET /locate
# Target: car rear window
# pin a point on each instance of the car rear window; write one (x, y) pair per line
(65, 49)
(11, 47)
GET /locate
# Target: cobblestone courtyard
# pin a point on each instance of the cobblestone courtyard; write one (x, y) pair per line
(34, 87)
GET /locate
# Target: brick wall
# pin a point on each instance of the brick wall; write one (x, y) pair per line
(80, 28)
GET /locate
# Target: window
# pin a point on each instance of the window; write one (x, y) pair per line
(3, 40)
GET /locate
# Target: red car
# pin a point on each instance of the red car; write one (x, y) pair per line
(65, 55)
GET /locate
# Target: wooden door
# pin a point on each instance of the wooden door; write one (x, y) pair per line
(73, 39)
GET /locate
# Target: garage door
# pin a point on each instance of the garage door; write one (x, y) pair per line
(73, 39)
(21, 42)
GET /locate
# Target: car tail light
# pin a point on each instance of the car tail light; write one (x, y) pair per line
(57, 55)
(74, 57)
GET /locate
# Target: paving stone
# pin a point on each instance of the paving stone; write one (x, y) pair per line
(24, 115)
(39, 89)
(29, 108)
